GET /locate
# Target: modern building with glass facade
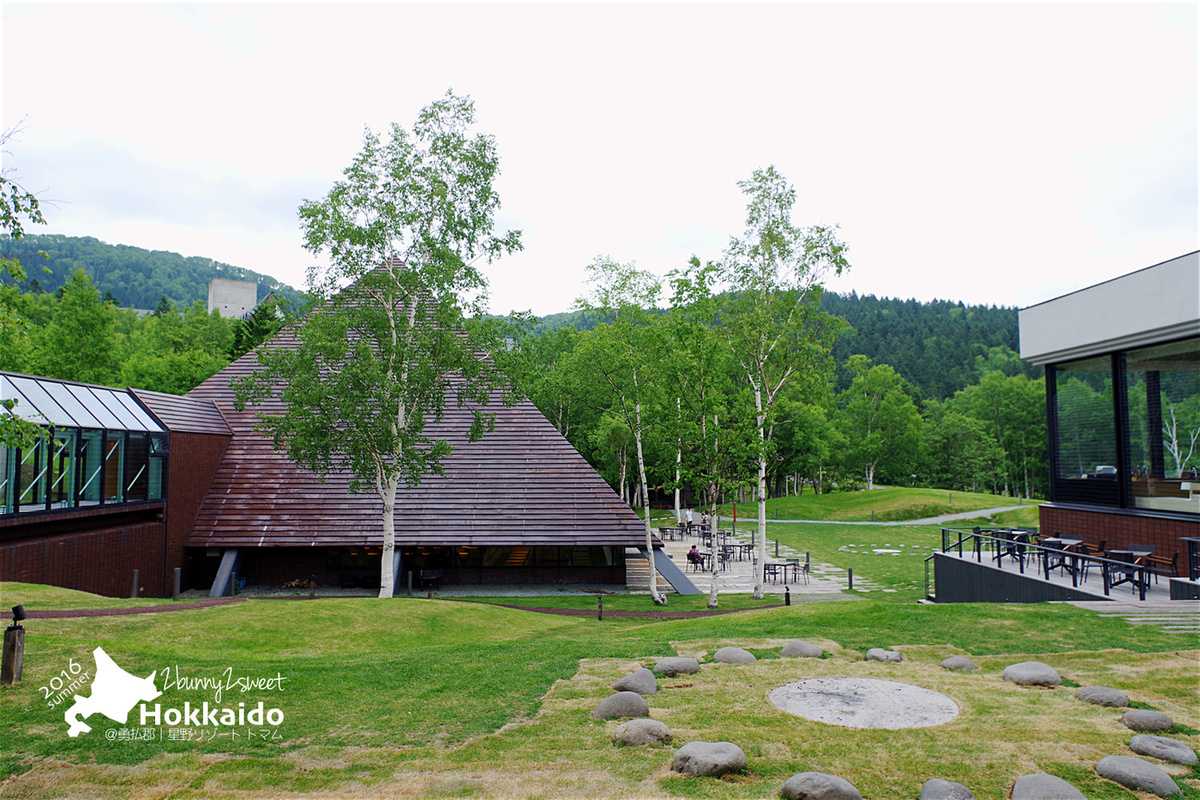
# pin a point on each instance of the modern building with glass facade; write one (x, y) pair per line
(1122, 363)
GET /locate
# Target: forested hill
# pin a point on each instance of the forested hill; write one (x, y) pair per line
(933, 345)
(137, 278)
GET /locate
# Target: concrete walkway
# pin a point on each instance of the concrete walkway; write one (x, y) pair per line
(738, 577)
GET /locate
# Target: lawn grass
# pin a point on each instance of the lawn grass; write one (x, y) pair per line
(419, 698)
(887, 503)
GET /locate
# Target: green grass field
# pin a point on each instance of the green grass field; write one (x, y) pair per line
(887, 503)
(420, 698)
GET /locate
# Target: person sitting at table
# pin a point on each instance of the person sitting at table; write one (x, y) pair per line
(694, 556)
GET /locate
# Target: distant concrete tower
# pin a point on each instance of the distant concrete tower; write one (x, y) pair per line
(232, 299)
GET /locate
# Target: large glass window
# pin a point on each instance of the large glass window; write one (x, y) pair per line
(1086, 468)
(114, 466)
(62, 477)
(90, 465)
(1164, 426)
(8, 470)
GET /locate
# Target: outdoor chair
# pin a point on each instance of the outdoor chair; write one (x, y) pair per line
(1085, 560)
(1161, 565)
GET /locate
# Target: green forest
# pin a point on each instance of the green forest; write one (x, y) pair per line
(890, 391)
(130, 277)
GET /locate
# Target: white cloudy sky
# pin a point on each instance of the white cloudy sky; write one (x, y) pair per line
(992, 153)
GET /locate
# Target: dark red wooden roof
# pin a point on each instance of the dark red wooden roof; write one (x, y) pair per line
(522, 484)
(183, 414)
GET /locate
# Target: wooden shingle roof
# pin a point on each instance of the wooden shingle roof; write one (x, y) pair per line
(183, 414)
(521, 484)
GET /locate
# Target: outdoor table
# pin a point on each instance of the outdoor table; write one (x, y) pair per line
(774, 569)
(1059, 553)
(1132, 569)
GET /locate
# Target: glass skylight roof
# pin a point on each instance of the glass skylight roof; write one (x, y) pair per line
(72, 405)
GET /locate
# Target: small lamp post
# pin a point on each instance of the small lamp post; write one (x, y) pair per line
(14, 649)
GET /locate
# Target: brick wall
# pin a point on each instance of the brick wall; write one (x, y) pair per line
(194, 459)
(100, 561)
(1121, 529)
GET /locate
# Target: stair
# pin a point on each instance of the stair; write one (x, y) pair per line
(637, 574)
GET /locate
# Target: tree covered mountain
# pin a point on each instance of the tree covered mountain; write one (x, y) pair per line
(939, 347)
(135, 277)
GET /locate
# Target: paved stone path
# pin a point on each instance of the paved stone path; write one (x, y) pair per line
(1176, 616)
(738, 578)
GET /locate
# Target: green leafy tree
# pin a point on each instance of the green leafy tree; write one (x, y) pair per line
(80, 344)
(1014, 410)
(619, 362)
(773, 322)
(173, 373)
(266, 320)
(879, 421)
(715, 442)
(17, 208)
(960, 453)
(380, 361)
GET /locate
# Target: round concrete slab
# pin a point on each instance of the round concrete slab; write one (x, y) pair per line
(864, 703)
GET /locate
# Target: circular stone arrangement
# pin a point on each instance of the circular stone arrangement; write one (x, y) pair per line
(864, 703)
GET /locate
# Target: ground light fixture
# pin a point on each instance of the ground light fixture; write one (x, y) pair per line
(14, 649)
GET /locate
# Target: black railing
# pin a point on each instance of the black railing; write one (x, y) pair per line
(1019, 547)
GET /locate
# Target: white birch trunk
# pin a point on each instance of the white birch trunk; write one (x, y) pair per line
(655, 595)
(386, 582)
(678, 458)
(761, 566)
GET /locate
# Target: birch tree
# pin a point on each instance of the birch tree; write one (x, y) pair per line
(773, 323)
(716, 450)
(620, 358)
(388, 350)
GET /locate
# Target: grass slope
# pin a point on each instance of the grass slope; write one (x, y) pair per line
(420, 698)
(888, 503)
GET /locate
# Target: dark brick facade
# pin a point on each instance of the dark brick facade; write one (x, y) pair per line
(1119, 529)
(101, 561)
(194, 460)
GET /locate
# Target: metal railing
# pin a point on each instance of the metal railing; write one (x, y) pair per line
(1018, 546)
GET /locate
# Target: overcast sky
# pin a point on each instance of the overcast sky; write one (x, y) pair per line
(990, 153)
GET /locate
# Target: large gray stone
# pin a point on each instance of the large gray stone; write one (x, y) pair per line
(709, 758)
(1103, 696)
(1134, 773)
(818, 786)
(1032, 673)
(641, 681)
(644, 731)
(1164, 748)
(1140, 719)
(1040, 786)
(734, 655)
(622, 704)
(798, 648)
(887, 656)
(676, 665)
(938, 789)
(959, 664)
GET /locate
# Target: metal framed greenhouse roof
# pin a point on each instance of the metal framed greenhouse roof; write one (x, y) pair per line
(74, 405)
